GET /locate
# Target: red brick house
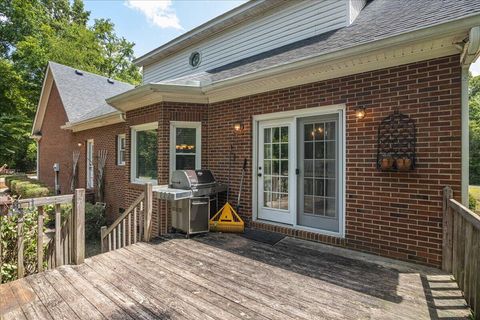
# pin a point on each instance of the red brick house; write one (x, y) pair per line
(352, 117)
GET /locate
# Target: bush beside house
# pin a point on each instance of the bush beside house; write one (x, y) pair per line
(24, 187)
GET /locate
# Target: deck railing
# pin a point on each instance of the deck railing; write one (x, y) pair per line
(133, 225)
(461, 248)
(68, 243)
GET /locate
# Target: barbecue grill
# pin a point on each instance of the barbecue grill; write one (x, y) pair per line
(190, 193)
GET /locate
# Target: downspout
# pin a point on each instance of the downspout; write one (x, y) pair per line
(470, 52)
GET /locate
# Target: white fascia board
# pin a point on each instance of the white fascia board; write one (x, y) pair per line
(101, 121)
(43, 101)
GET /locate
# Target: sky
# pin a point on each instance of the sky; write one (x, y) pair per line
(151, 23)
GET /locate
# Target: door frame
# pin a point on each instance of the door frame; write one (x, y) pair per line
(295, 114)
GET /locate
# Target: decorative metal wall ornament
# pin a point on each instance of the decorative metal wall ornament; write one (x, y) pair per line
(396, 143)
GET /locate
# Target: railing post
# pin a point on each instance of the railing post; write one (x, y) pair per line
(79, 226)
(147, 209)
(447, 256)
(40, 239)
(20, 266)
(103, 231)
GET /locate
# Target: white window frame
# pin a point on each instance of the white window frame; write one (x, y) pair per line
(133, 148)
(90, 176)
(295, 114)
(198, 142)
(119, 145)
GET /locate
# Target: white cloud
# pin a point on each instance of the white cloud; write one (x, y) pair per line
(475, 68)
(160, 13)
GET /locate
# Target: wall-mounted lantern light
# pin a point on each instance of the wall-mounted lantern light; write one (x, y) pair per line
(79, 144)
(238, 127)
(360, 112)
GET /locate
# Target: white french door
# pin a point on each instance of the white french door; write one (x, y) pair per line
(300, 170)
(274, 171)
(89, 164)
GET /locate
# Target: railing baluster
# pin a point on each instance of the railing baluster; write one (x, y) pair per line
(58, 218)
(135, 225)
(109, 242)
(129, 229)
(115, 239)
(124, 226)
(20, 266)
(102, 238)
(40, 239)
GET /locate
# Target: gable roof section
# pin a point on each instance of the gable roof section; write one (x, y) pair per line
(380, 19)
(82, 93)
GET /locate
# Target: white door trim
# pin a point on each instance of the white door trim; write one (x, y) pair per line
(90, 172)
(295, 114)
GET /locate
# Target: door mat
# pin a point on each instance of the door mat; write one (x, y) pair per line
(270, 238)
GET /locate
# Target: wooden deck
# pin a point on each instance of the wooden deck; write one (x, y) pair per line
(221, 276)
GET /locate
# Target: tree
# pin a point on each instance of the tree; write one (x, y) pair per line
(33, 32)
(474, 128)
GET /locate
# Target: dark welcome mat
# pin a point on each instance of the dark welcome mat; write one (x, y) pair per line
(270, 238)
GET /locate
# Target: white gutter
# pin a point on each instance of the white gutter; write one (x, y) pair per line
(100, 119)
(471, 52)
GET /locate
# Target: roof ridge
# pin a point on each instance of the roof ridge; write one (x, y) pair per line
(88, 72)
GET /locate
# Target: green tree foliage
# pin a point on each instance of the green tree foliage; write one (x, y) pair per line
(474, 105)
(33, 32)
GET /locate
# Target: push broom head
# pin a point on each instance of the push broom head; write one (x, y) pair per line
(227, 220)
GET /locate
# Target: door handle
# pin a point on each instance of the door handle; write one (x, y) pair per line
(297, 171)
(259, 174)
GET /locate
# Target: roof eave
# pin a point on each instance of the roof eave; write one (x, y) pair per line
(100, 121)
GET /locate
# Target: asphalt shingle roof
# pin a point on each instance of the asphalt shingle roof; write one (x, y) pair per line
(379, 19)
(84, 95)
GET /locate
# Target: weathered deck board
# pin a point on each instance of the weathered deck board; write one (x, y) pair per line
(221, 276)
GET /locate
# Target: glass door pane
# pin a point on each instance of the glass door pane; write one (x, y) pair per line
(275, 167)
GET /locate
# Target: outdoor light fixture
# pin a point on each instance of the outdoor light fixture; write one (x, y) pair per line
(79, 144)
(360, 112)
(238, 126)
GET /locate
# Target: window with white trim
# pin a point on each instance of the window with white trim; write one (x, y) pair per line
(121, 149)
(185, 145)
(143, 166)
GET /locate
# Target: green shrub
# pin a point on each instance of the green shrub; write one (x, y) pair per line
(94, 220)
(8, 228)
(36, 192)
(472, 202)
(22, 187)
(10, 178)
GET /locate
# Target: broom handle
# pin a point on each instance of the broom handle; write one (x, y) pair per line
(241, 182)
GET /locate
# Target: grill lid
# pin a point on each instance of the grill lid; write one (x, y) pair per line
(188, 179)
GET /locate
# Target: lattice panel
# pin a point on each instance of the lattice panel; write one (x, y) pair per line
(396, 143)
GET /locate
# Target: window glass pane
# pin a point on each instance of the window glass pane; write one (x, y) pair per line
(330, 188)
(276, 184)
(308, 186)
(284, 151)
(146, 154)
(308, 153)
(283, 201)
(275, 167)
(284, 185)
(276, 134)
(275, 151)
(319, 131)
(319, 168)
(284, 134)
(267, 135)
(319, 204)
(319, 150)
(275, 202)
(184, 162)
(308, 168)
(308, 132)
(308, 206)
(267, 167)
(330, 168)
(267, 199)
(330, 207)
(267, 153)
(284, 168)
(267, 184)
(330, 132)
(319, 188)
(330, 152)
(185, 140)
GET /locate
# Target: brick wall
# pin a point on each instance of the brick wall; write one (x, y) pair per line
(391, 214)
(57, 146)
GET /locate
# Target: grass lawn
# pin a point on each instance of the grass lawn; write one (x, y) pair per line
(475, 192)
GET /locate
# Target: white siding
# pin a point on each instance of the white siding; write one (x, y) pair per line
(300, 20)
(355, 7)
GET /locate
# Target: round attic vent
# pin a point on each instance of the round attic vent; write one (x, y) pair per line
(195, 59)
